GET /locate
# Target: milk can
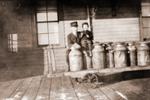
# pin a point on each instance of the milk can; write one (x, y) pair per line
(75, 58)
(110, 56)
(98, 56)
(87, 61)
(120, 55)
(132, 54)
(143, 54)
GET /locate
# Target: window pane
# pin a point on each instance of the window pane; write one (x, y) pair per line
(9, 36)
(43, 39)
(41, 16)
(15, 46)
(53, 38)
(53, 27)
(10, 42)
(42, 28)
(14, 37)
(52, 16)
(13, 42)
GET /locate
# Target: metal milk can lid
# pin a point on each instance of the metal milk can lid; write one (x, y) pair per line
(120, 47)
(109, 46)
(131, 46)
(98, 47)
(75, 46)
(143, 46)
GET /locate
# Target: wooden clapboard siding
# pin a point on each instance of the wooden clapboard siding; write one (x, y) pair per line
(145, 8)
(113, 30)
(71, 13)
(73, 10)
(146, 27)
(22, 64)
(60, 58)
(16, 21)
(146, 32)
(28, 61)
(54, 60)
(116, 8)
(145, 20)
(61, 34)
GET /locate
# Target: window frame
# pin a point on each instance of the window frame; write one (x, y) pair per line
(47, 21)
(12, 42)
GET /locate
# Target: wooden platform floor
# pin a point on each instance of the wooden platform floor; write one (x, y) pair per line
(63, 88)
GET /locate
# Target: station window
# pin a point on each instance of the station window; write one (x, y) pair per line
(47, 24)
(13, 42)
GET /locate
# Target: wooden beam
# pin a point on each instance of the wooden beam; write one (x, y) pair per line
(104, 72)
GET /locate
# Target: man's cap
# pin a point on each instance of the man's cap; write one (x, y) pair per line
(85, 23)
(74, 24)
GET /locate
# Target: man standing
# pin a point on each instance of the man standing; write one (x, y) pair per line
(72, 38)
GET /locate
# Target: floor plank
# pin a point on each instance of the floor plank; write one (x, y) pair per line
(3, 87)
(10, 89)
(133, 89)
(63, 88)
(44, 90)
(97, 94)
(82, 92)
(111, 94)
(20, 91)
(55, 88)
(68, 89)
(33, 89)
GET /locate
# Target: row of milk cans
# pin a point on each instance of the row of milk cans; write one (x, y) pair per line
(110, 55)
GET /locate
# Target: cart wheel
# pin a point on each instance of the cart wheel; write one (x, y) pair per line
(91, 78)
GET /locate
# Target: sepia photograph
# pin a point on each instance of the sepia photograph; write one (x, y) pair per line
(74, 49)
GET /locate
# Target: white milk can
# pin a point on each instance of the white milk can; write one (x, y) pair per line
(132, 54)
(75, 58)
(98, 58)
(88, 62)
(143, 54)
(120, 56)
(110, 56)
